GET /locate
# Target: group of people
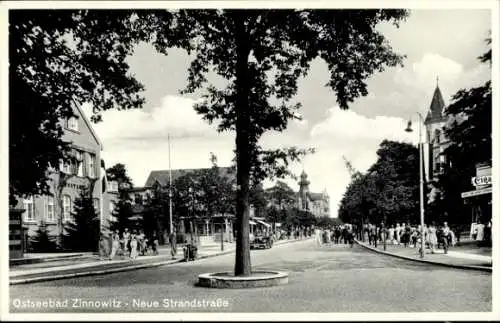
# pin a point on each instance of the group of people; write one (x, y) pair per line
(336, 234)
(410, 236)
(131, 244)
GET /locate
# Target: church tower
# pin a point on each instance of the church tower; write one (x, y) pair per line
(434, 122)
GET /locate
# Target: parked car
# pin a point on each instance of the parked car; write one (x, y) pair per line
(261, 241)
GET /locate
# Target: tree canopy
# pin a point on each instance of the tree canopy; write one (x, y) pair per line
(59, 58)
(388, 191)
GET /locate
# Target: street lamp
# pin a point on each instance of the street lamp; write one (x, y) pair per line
(169, 187)
(421, 171)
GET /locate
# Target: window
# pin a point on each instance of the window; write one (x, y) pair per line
(67, 208)
(138, 199)
(437, 136)
(73, 124)
(97, 206)
(113, 186)
(91, 171)
(79, 163)
(49, 209)
(29, 214)
(65, 166)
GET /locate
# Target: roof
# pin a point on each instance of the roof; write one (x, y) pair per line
(87, 122)
(162, 176)
(437, 106)
(316, 196)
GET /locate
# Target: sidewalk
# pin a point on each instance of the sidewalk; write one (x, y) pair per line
(458, 257)
(91, 265)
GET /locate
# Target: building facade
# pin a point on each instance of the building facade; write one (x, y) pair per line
(316, 203)
(66, 183)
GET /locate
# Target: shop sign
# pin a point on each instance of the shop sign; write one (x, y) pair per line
(481, 180)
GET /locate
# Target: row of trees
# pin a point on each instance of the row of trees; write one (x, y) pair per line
(388, 191)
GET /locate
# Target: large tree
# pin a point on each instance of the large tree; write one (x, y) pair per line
(262, 54)
(58, 58)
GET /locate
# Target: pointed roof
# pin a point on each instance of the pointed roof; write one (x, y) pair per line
(437, 106)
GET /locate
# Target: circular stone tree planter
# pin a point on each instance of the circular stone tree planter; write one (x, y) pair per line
(259, 278)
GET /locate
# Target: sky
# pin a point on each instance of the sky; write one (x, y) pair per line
(440, 44)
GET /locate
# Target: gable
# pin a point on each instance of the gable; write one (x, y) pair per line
(85, 126)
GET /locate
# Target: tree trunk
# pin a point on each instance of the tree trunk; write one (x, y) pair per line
(242, 262)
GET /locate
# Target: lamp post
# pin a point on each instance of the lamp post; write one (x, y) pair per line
(169, 188)
(421, 171)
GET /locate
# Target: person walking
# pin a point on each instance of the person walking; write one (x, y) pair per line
(126, 241)
(318, 237)
(433, 237)
(133, 246)
(172, 239)
(397, 234)
(154, 244)
(445, 236)
(115, 244)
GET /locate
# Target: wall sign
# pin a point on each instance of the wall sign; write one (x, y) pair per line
(481, 180)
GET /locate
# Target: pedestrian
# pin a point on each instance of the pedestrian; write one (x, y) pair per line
(445, 236)
(350, 236)
(154, 244)
(126, 241)
(318, 237)
(115, 244)
(433, 237)
(140, 241)
(397, 234)
(172, 239)
(391, 234)
(133, 246)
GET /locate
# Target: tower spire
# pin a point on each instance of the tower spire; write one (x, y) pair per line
(437, 81)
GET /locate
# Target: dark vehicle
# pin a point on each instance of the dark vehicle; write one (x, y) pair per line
(261, 241)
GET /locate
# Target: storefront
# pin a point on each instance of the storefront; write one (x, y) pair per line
(479, 202)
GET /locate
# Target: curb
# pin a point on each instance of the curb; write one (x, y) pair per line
(29, 261)
(469, 267)
(116, 270)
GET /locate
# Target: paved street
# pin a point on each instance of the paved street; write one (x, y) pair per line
(321, 279)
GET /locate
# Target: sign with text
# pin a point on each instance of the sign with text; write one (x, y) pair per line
(481, 180)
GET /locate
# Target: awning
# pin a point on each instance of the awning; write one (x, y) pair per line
(477, 192)
(264, 223)
(252, 222)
